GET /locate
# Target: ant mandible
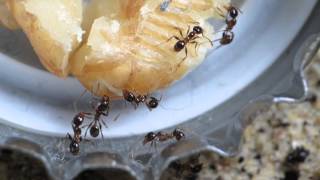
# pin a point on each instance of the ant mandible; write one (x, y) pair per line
(190, 38)
(152, 137)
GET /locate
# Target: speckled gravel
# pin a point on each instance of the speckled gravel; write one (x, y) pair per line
(283, 143)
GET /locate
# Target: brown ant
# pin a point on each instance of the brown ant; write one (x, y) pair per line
(231, 21)
(150, 102)
(77, 121)
(190, 38)
(152, 137)
(232, 15)
(101, 110)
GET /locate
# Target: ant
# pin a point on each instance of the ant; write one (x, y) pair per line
(100, 110)
(74, 146)
(190, 38)
(152, 137)
(231, 21)
(150, 102)
(232, 15)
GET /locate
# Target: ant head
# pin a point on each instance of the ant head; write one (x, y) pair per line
(104, 104)
(233, 12)
(198, 29)
(179, 46)
(105, 99)
(153, 103)
(78, 119)
(128, 96)
(94, 130)
(149, 137)
(74, 148)
(179, 134)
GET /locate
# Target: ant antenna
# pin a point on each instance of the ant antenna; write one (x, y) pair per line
(166, 108)
(75, 106)
(116, 117)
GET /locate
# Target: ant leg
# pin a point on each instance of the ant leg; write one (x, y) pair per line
(188, 30)
(152, 144)
(211, 42)
(104, 114)
(92, 104)
(180, 31)
(75, 106)
(172, 37)
(100, 127)
(218, 47)
(104, 123)
(175, 37)
(85, 134)
(107, 112)
(88, 115)
(186, 52)
(155, 147)
(96, 88)
(217, 40)
(135, 105)
(69, 136)
(196, 46)
(220, 12)
(117, 117)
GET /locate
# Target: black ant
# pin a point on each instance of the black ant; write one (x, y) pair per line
(190, 38)
(150, 102)
(231, 21)
(152, 137)
(74, 146)
(101, 110)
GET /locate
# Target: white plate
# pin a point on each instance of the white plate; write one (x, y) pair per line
(32, 98)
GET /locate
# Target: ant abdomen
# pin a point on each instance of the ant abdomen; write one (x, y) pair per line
(179, 46)
(95, 131)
